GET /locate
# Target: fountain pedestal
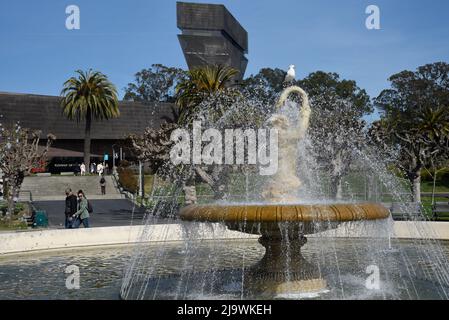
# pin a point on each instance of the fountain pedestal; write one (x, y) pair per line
(283, 271)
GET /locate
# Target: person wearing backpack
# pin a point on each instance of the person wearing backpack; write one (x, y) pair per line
(82, 215)
(103, 185)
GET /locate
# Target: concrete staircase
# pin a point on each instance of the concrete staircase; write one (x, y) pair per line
(53, 187)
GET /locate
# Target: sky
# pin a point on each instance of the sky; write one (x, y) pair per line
(119, 38)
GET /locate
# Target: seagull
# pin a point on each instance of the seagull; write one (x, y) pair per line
(291, 75)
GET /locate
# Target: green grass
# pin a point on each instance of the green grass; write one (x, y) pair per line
(14, 224)
(427, 186)
(148, 183)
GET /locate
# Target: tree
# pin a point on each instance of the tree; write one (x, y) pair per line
(208, 95)
(200, 84)
(265, 86)
(19, 153)
(434, 168)
(436, 123)
(411, 150)
(322, 83)
(337, 131)
(90, 96)
(414, 119)
(154, 145)
(336, 124)
(155, 84)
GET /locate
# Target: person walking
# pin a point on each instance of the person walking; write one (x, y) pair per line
(81, 216)
(92, 168)
(71, 204)
(100, 169)
(103, 185)
(83, 169)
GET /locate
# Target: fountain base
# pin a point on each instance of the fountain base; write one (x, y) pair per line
(283, 271)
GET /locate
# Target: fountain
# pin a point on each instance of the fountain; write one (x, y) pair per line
(282, 221)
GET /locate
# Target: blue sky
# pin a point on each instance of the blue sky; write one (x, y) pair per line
(119, 38)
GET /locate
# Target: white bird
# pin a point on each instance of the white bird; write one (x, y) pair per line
(291, 74)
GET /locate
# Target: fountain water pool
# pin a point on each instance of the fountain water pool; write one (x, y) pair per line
(102, 270)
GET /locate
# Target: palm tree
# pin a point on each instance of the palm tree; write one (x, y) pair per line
(434, 122)
(200, 83)
(90, 96)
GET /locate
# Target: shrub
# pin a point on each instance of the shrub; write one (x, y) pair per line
(127, 179)
(18, 220)
(124, 164)
(19, 207)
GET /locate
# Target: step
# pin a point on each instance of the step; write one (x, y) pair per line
(54, 187)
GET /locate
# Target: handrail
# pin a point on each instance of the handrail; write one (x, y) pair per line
(30, 194)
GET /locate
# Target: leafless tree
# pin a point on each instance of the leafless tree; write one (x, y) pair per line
(19, 153)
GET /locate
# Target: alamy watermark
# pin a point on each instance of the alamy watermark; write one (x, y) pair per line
(73, 21)
(372, 22)
(72, 282)
(261, 146)
(373, 280)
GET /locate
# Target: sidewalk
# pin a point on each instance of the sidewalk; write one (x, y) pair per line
(107, 213)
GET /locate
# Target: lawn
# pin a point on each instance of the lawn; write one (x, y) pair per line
(427, 186)
(353, 184)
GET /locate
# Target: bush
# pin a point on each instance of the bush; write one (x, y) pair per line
(16, 221)
(124, 164)
(127, 179)
(19, 207)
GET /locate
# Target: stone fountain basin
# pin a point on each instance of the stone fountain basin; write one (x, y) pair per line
(283, 270)
(276, 220)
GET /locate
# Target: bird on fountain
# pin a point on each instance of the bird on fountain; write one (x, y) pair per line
(291, 74)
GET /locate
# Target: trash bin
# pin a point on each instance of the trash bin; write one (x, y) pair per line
(40, 219)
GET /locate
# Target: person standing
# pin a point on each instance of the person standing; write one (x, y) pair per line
(71, 204)
(100, 169)
(103, 185)
(81, 216)
(83, 169)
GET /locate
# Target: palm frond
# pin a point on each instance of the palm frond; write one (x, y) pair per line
(90, 93)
